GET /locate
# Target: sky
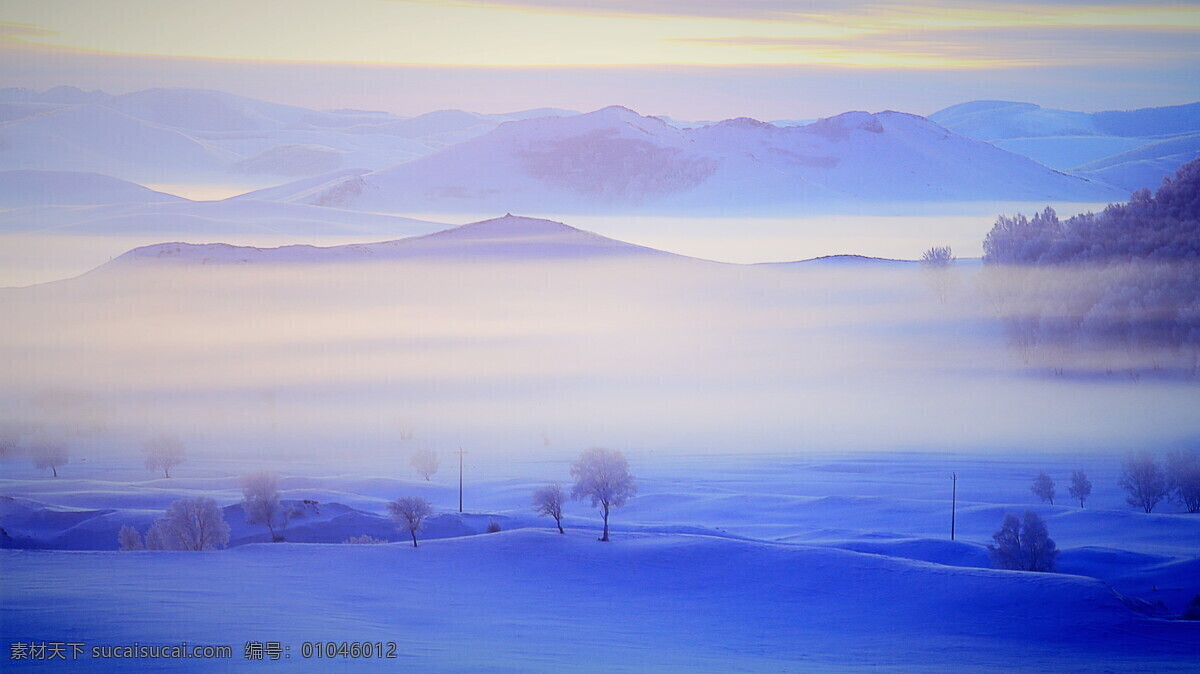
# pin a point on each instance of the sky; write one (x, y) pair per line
(690, 59)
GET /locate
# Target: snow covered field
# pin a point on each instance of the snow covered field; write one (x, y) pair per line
(796, 561)
(793, 429)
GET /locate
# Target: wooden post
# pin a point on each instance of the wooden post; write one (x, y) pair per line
(953, 501)
(460, 453)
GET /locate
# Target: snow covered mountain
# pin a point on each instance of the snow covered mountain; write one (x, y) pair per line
(614, 159)
(195, 135)
(1130, 149)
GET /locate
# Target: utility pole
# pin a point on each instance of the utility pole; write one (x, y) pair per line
(953, 501)
(460, 453)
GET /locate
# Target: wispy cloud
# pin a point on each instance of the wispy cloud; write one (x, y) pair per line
(10, 31)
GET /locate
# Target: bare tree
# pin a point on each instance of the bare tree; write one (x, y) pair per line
(426, 463)
(410, 512)
(261, 504)
(1183, 476)
(1043, 487)
(163, 452)
(189, 524)
(1023, 545)
(1143, 480)
(129, 539)
(602, 476)
(1081, 486)
(548, 500)
(49, 455)
(938, 265)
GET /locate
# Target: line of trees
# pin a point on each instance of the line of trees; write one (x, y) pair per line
(1146, 482)
(1117, 289)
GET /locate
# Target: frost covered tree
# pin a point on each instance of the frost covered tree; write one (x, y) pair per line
(189, 524)
(129, 539)
(260, 502)
(162, 453)
(49, 455)
(1183, 476)
(602, 477)
(1081, 486)
(410, 512)
(548, 501)
(426, 463)
(1043, 487)
(1023, 545)
(938, 265)
(1143, 479)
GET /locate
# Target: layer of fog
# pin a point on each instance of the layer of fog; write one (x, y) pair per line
(26, 259)
(369, 359)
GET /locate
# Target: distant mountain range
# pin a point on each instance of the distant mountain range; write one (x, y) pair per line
(1128, 149)
(614, 160)
(609, 161)
(185, 135)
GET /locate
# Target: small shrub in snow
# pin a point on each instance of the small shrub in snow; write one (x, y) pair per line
(129, 539)
(938, 265)
(1043, 487)
(162, 453)
(190, 524)
(1183, 476)
(1143, 481)
(1192, 612)
(365, 539)
(410, 513)
(602, 476)
(493, 527)
(549, 500)
(49, 455)
(426, 463)
(1023, 545)
(1081, 486)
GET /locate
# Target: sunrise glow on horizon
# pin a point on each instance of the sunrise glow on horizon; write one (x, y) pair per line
(791, 59)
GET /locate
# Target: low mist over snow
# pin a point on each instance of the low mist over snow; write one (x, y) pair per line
(497, 332)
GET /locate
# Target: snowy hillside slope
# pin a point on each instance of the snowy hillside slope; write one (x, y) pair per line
(66, 188)
(1146, 165)
(1130, 149)
(614, 159)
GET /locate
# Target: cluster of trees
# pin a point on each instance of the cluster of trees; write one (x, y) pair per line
(1023, 544)
(1145, 481)
(1116, 289)
(601, 476)
(189, 524)
(1081, 487)
(199, 524)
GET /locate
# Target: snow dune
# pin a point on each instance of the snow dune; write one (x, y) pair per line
(535, 600)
